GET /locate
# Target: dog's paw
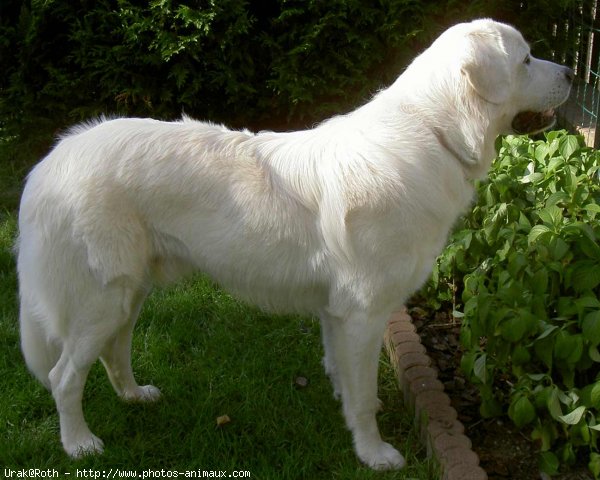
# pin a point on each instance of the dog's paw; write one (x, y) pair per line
(381, 456)
(89, 445)
(145, 394)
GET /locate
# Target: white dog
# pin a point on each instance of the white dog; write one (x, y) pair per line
(343, 221)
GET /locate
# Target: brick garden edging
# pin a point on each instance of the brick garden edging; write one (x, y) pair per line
(435, 418)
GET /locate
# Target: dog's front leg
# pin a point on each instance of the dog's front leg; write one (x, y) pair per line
(353, 346)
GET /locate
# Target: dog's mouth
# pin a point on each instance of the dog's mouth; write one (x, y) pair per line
(533, 122)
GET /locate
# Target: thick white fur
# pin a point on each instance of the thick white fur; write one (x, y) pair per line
(342, 221)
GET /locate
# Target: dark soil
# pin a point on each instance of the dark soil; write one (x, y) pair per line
(504, 451)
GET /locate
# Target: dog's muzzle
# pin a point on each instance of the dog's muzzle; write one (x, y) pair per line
(529, 122)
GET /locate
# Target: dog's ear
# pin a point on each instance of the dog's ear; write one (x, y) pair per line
(486, 66)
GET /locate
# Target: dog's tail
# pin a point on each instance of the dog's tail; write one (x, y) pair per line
(40, 280)
(40, 351)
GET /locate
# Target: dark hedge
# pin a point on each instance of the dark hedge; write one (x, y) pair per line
(264, 64)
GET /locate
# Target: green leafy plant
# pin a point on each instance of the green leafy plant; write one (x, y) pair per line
(523, 273)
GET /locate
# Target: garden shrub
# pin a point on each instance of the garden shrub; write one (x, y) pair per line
(269, 64)
(523, 273)
(247, 63)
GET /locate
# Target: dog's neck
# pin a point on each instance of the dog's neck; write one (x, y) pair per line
(467, 160)
(474, 166)
(474, 162)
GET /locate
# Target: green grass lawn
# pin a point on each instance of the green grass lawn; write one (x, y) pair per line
(210, 355)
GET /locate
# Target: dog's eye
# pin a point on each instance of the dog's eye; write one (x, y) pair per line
(527, 60)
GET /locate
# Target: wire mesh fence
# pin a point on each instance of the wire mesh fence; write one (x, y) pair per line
(577, 44)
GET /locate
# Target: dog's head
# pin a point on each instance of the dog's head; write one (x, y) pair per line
(499, 67)
(479, 80)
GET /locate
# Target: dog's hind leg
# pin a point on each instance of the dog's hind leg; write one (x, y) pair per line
(93, 323)
(67, 380)
(329, 356)
(355, 345)
(116, 356)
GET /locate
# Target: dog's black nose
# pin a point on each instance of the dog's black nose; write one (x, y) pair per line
(569, 74)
